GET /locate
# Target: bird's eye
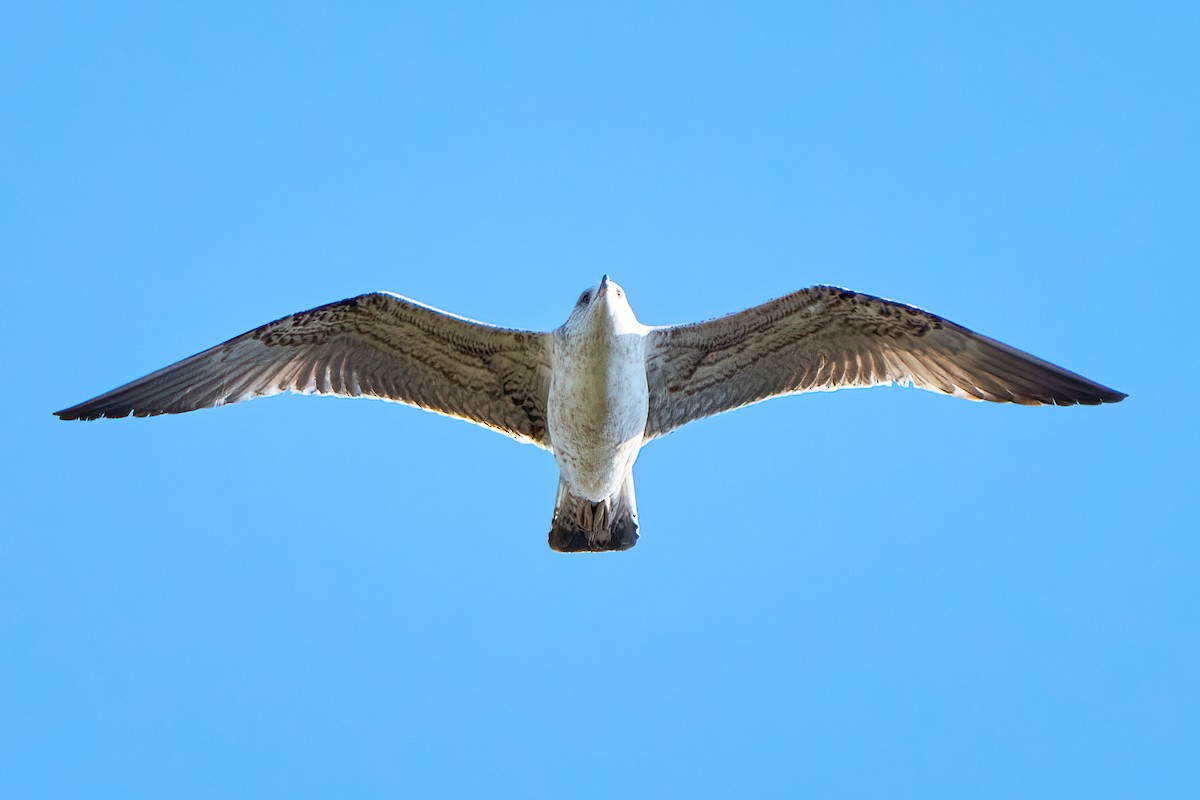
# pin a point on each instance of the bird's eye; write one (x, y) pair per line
(584, 298)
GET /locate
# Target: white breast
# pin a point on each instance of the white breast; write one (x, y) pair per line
(597, 409)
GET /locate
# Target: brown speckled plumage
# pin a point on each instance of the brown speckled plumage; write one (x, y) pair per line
(826, 338)
(376, 345)
(601, 385)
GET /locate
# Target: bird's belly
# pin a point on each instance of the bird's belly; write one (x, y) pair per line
(597, 472)
(596, 425)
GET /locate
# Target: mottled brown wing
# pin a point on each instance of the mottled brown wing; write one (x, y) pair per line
(376, 345)
(826, 338)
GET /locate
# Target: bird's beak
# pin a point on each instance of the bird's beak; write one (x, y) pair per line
(603, 285)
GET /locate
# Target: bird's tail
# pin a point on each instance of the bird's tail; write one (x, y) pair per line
(581, 526)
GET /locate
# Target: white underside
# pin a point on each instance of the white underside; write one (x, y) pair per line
(598, 405)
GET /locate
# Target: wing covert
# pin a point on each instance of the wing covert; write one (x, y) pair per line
(375, 345)
(826, 338)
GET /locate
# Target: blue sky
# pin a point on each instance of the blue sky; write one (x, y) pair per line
(860, 594)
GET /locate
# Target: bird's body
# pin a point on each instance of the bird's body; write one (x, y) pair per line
(599, 399)
(597, 407)
(598, 388)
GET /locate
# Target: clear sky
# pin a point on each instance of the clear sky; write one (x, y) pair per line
(881, 593)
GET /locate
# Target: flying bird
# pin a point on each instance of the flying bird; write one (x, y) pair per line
(602, 385)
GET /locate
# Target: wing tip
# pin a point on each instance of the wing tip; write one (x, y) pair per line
(1097, 394)
(1100, 395)
(86, 412)
(1097, 397)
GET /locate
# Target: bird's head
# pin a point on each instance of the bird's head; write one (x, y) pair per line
(604, 304)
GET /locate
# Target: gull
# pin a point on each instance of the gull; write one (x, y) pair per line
(597, 389)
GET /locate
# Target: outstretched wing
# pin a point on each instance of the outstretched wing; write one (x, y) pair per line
(375, 345)
(826, 338)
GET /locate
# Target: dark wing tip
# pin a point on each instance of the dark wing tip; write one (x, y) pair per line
(1105, 395)
(1090, 395)
(86, 411)
(74, 412)
(1086, 393)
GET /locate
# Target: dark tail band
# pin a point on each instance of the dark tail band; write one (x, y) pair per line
(581, 526)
